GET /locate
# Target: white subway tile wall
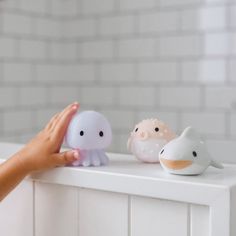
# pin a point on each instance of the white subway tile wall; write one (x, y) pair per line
(130, 59)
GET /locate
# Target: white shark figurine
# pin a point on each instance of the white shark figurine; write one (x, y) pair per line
(186, 155)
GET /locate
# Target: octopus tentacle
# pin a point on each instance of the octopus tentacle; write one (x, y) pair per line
(103, 157)
(86, 162)
(95, 160)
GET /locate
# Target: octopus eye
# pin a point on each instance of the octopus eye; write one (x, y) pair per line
(81, 133)
(156, 129)
(194, 154)
(136, 129)
(162, 151)
(101, 134)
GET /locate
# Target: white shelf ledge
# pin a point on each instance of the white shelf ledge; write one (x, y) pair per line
(125, 174)
(214, 189)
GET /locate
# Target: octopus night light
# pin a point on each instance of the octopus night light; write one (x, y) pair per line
(90, 133)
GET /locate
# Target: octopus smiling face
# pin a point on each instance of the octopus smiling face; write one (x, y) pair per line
(148, 138)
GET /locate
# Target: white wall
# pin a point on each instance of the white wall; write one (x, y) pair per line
(31, 43)
(131, 59)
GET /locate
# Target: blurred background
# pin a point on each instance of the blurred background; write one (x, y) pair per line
(130, 59)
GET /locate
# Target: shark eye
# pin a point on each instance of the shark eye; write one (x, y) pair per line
(156, 129)
(81, 133)
(194, 154)
(162, 151)
(101, 134)
(136, 129)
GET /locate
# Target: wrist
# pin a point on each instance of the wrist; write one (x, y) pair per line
(23, 162)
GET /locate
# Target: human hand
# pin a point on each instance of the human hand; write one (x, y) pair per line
(43, 151)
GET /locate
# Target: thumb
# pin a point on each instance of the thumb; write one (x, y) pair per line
(64, 158)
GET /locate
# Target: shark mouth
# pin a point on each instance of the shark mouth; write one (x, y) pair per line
(175, 165)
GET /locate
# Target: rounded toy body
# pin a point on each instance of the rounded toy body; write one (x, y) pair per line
(148, 138)
(90, 133)
(186, 155)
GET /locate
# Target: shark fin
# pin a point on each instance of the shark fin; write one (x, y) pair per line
(190, 133)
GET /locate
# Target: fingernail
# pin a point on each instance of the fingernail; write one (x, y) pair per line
(74, 107)
(76, 154)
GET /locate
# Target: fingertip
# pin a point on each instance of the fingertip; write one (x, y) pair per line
(75, 106)
(71, 156)
(75, 103)
(76, 155)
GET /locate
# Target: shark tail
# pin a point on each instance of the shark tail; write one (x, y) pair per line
(216, 164)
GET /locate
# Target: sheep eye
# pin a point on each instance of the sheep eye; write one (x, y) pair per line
(101, 134)
(156, 129)
(136, 129)
(194, 154)
(81, 133)
(162, 151)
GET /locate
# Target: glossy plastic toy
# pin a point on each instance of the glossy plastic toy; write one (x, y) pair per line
(90, 133)
(148, 138)
(186, 155)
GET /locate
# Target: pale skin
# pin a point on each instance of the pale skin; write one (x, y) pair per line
(41, 153)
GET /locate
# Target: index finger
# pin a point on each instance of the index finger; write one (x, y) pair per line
(63, 122)
(53, 122)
